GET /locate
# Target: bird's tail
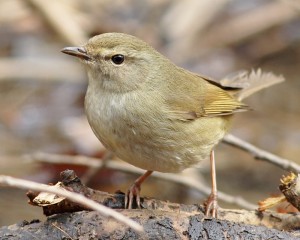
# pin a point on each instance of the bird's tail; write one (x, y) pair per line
(251, 82)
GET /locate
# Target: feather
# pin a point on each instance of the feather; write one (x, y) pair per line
(207, 99)
(252, 82)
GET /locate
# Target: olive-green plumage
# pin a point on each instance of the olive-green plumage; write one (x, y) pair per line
(148, 111)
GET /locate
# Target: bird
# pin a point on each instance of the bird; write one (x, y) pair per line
(151, 113)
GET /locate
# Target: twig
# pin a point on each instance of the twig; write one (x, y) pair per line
(60, 18)
(40, 69)
(178, 20)
(92, 171)
(250, 24)
(184, 180)
(261, 154)
(78, 198)
(59, 159)
(63, 231)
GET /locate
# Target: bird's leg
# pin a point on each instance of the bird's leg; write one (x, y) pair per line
(211, 205)
(134, 191)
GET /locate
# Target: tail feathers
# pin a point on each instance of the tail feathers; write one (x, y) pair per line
(252, 82)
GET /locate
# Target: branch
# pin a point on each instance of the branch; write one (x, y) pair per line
(120, 166)
(260, 154)
(75, 197)
(60, 17)
(249, 24)
(160, 220)
(49, 70)
(157, 225)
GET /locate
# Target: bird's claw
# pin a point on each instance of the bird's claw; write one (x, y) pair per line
(211, 206)
(133, 192)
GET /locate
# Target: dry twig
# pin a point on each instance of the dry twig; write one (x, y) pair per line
(40, 69)
(249, 24)
(261, 154)
(78, 198)
(60, 18)
(120, 166)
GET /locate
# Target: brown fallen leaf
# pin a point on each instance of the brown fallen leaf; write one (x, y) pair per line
(290, 188)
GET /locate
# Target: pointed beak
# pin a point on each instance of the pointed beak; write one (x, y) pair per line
(79, 52)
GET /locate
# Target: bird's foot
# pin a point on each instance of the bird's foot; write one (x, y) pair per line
(211, 206)
(133, 192)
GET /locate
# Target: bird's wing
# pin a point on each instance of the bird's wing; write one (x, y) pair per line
(203, 97)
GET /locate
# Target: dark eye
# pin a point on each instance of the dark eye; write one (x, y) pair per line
(118, 59)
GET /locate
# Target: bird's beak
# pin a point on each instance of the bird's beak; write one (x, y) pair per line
(79, 52)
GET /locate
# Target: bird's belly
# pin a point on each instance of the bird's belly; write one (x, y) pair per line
(165, 152)
(173, 150)
(165, 146)
(175, 159)
(144, 149)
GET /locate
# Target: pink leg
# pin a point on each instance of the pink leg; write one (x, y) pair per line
(211, 203)
(134, 191)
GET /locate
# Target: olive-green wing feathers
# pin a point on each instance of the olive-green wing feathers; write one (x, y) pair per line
(219, 102)
(204, 98)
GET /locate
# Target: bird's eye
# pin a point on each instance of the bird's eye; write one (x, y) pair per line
(118, 59)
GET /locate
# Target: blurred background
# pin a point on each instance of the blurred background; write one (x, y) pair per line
(42, 90)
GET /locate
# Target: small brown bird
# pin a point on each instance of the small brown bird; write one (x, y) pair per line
(151, 113)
